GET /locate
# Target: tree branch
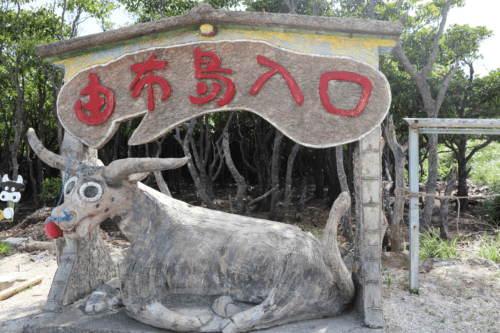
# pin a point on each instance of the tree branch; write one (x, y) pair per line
(435, 44)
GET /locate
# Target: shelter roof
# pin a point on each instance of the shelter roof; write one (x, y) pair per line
(204, 13)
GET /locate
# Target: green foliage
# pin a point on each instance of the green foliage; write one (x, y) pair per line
(484, 163)
(431, 246)
(146, 11)
(5, 248)
(490, 247)
(493, 206)
(303, 7)
(51, 189)
(388, 280)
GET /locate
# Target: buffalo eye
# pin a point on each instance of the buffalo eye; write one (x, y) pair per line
(91, 191)
(70, 186)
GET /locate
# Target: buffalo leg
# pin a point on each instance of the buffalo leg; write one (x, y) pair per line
(155, 314)
(287, 297)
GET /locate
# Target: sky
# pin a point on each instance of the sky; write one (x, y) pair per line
(475, 13)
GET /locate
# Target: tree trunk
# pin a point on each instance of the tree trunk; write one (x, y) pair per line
(445, 203)
(275, 169)
(346, 218)
(463, 188)
(396, 217)
(129, 148)
(431, 185)
(288, 182)
(32, 177)
(185, 147)
(334, 188)
(263, 138)
(350, 166)
(116, 147)
(319, 176)
(463, 172)
(386, 160)
(43, 126)
(84, 264)
(158, 176)
(240, 180)
(302, 202)
(432, 104)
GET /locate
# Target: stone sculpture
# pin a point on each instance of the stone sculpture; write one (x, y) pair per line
(193, 269)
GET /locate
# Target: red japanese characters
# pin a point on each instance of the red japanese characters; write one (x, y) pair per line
(141, 69)
(344, 76)
(207, 65)
(277, 68)
(96, 102)
(212, 62)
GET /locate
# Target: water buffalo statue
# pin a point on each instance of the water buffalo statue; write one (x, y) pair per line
(191, 269)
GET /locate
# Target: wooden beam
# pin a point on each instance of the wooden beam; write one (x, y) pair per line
(15, 290)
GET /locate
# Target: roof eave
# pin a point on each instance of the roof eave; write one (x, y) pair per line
(204, 13)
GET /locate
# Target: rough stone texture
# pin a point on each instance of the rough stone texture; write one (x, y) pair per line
(369, 221)
(75, 321)
(83, 264)
(309, 124)
(204, 13)
(104, 298)
(183, 258)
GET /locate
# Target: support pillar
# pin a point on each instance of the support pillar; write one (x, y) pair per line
(414, 210)
(369, 221)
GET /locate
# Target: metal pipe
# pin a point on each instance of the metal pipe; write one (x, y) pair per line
(451, 122)
(414, 210)
(459, 131)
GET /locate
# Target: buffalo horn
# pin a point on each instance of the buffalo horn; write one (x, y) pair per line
(54, 160)
(121, 169)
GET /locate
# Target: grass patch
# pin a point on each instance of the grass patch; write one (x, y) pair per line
(431, 246)
(5, 248)
(314, 231)
(489, 248)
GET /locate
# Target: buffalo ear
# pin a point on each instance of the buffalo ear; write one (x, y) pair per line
(137, 177)
(5, 178)
(19, 180)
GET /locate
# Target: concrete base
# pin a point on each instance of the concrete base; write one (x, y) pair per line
(74, 320)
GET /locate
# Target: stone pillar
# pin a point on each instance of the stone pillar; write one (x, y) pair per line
(84, 264)
(369, 221)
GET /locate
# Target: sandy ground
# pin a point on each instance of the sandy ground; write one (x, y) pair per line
(27, 266)
(456, 295)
